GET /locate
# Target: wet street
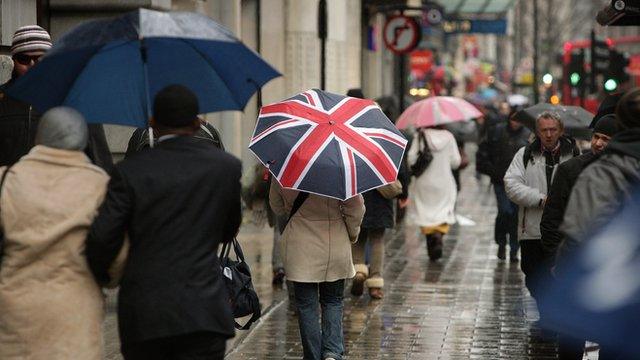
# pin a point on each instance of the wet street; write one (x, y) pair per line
(468, 305)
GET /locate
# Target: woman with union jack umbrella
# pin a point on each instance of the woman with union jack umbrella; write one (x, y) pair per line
(323, 151)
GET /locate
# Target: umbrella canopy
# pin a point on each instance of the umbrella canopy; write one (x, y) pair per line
(111, 69)
(576, 119)
(437, 110)
(517, 100)
(328, 144)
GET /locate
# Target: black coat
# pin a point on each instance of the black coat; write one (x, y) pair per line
(18, 126)
(557, 199)
(504, 143)
(177, 202)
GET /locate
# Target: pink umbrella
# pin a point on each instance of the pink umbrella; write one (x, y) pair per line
(437, 110)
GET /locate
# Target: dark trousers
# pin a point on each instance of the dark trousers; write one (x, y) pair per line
(570, 348)
(506, 220)
(195, 346)
(535, 266)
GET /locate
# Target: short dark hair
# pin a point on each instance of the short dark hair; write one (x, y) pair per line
(175, 106)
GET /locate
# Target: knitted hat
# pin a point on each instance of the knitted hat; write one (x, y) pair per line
(175, 106)
(606, 125)
(30, 38)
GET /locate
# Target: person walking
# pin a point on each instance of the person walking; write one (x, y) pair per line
(527, 181)
(50, 305)
(503, 142)
(19, 121)
(602, 187)
(568, 346)
(433, 193)
(177, 202)
(317, 259)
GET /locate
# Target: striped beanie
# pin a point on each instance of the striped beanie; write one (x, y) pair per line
(30, 38)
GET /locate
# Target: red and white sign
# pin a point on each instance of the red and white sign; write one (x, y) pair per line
(401, 34)
(420, 62)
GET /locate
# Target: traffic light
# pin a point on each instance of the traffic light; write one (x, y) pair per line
(575, 70)
(617, 73)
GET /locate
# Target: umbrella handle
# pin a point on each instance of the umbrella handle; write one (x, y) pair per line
(143, 55)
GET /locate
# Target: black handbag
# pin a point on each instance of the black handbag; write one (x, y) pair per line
(424, 157)
(4, 176)
(237, 275)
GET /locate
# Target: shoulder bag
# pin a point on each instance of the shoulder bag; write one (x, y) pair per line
(424, 156)
(237, 275)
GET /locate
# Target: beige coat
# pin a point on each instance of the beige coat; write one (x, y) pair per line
(50, 305)
(316, 242)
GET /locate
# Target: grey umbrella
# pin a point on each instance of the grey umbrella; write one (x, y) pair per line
(576, 119)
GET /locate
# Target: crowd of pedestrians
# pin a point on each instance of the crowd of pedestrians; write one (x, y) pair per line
(72, 222)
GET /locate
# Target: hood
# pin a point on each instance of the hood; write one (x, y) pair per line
(626, 142)
(437, 138)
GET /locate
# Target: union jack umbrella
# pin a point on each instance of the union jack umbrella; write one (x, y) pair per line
(328, 144)
(437, 110)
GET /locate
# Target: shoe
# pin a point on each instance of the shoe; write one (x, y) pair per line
(357, 287)
(513, 258)
(502, 252)
(434, 246)
(376, 293)
(278, 277)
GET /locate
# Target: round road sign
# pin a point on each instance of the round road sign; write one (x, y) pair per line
(401, 34)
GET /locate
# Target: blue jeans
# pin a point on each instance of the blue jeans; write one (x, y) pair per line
(506, 220)
(326, 341)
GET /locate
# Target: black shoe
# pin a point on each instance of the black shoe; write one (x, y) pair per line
(502, 252)
(434, 246)
(513, 258)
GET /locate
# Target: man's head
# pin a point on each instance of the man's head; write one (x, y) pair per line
(504, 109)
(28, 46)
(549, 128)
(175, 111)
(603, 130)
(62, 128)
(628, 110)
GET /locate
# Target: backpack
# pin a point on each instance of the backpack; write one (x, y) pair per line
(424, 157)
(237, 275)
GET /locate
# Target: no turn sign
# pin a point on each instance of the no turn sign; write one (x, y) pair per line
(401, 34)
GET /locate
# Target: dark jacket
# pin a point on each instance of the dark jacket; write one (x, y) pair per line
(18, 126)
(601, 189)
(504, 143)
(177, 202)
(379, 210)
(140, 138)
(557, 199)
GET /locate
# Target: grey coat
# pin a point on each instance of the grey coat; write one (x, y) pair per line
(599, 192)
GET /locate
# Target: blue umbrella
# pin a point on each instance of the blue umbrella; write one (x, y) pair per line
(110, 69)
(597, 293)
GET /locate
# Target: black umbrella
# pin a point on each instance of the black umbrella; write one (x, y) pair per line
(576, 119)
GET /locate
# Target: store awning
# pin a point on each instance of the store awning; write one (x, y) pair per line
(476, 7)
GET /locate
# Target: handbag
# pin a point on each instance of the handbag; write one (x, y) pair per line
(237, 275)
(424, 157)
(391, 191)
(4, 176)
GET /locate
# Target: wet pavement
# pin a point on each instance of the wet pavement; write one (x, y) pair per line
(468, 305)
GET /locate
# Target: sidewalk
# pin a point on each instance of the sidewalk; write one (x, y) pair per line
(468, 305)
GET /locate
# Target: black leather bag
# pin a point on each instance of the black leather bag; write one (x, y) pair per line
(424, 157)
(237, 275)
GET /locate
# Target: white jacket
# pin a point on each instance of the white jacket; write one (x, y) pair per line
(433, 194)
(527, 187)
